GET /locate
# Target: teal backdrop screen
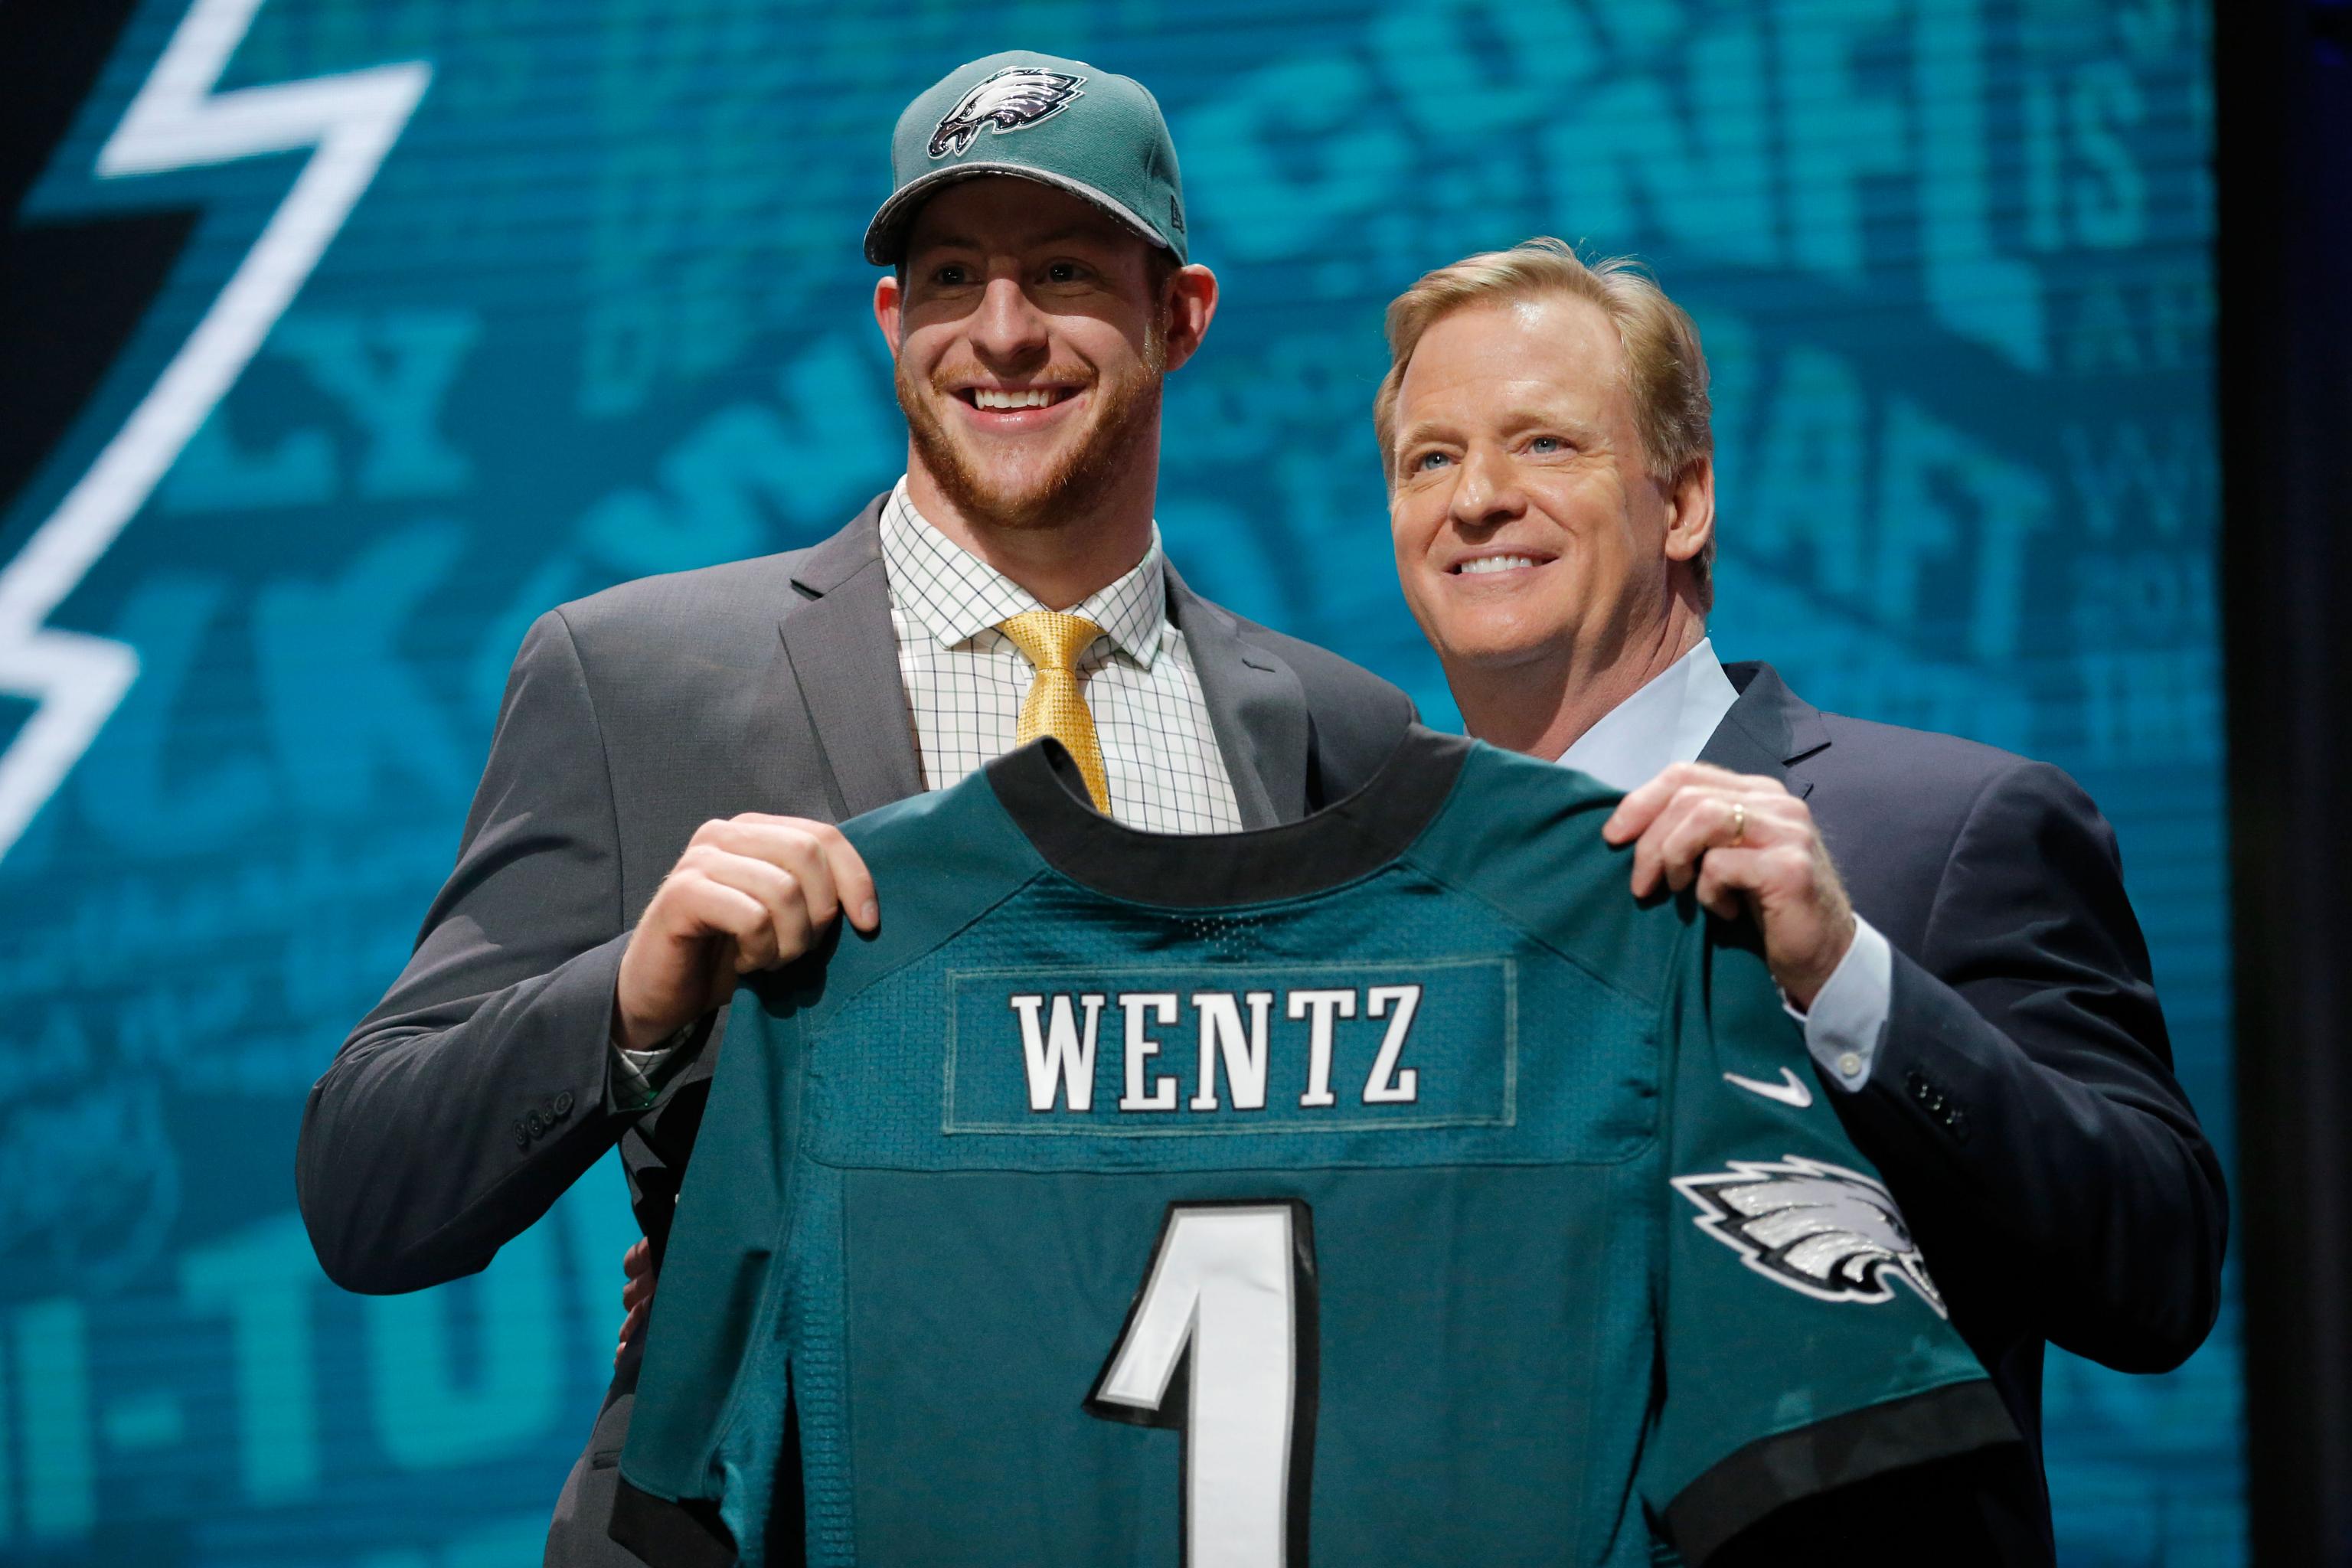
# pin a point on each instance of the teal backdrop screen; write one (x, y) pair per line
(458, 309)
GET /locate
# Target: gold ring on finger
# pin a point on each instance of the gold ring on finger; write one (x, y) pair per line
(1739, 821)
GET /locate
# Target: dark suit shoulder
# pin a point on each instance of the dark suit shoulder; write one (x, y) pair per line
(1354, 717)
(757, 591)
(1333, 683)
(1931, 774)
(1900, 809)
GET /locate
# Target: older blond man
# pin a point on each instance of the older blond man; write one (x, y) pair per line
(1948, 920)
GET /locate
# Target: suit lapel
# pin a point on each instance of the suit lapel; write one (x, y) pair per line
(1256, 706)
(838, 644)
(1769, 730)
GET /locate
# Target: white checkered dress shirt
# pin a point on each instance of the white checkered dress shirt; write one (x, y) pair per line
(966, 680)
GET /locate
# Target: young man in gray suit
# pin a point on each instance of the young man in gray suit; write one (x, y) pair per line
(654, 818)
(1948, 920)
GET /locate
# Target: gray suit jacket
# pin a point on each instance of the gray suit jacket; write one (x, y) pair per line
(476, 1091)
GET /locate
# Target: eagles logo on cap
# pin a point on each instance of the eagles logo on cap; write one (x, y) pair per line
(1014, 97)
(1094, 134)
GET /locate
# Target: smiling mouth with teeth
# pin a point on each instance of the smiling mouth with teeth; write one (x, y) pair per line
(1485, 564)
(1017, 397)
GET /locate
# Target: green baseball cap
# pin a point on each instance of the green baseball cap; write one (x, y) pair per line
(1036, 117)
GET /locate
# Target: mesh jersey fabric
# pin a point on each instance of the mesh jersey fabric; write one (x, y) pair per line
(1386, 1186)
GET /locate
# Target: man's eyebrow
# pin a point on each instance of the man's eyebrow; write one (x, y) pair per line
(1423, 430)
(943, 242)
(1070, 231)
(1079, 230)
(1519, 415)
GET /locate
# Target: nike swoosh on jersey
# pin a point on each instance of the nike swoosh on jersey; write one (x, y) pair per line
(1788, 1092)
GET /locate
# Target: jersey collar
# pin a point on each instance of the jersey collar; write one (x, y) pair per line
(1041, 789)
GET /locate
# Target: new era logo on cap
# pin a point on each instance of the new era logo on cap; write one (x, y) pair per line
(1014, 97)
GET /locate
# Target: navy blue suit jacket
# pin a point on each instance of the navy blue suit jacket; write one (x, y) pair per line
(2021, 1107)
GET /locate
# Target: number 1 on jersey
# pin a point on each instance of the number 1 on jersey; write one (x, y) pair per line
(1220, 1344)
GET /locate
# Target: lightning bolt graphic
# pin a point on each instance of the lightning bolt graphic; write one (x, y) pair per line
(178, 122)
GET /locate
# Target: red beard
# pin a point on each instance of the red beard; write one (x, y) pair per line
(1071, 489)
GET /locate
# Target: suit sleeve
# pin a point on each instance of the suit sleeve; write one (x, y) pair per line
(475, 1091)
(2023, 1101)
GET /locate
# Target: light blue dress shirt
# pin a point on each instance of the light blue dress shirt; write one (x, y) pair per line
(1670, 721)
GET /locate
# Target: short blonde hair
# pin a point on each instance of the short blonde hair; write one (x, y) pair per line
(1665, 369)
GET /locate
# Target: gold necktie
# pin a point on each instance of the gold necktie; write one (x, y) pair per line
(1051, 641)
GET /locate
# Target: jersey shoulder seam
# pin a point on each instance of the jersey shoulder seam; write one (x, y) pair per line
(1654, 1004)
(986, 909)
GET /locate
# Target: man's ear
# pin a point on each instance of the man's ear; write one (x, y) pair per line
(1192, 305)
(1690, 510)
(889, 295)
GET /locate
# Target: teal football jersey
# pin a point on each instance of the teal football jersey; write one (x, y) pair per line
(1388, 1188)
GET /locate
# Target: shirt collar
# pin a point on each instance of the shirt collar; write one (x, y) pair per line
(956, 595)
(1669, 719)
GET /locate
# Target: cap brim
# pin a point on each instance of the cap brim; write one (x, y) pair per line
(885, 236)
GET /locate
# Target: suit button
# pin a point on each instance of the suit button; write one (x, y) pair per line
(536, 1123)
(563, 1103)
(522, 1138)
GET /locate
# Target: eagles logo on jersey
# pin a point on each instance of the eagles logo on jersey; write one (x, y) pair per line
(1012, 99)
(1827, 1231)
